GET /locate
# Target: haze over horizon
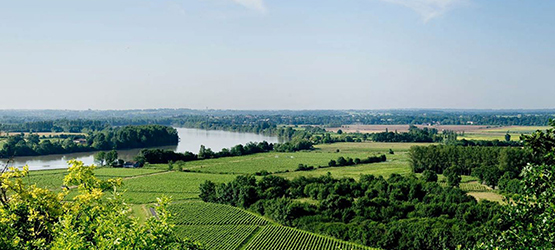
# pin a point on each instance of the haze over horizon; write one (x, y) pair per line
(275, 55)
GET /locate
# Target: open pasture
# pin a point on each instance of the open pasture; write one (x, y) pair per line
(367, 147)
(53, 179)
(281, 162)
(395, 164)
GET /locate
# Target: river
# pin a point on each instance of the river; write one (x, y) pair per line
(190, 140)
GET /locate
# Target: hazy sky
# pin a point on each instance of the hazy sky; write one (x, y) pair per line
(275, 54)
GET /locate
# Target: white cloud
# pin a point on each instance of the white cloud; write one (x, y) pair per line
(428, 9)
(257, 5)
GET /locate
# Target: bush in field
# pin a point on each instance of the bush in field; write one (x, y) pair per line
(303, 167)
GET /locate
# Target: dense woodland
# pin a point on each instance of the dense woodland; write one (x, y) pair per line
(397, 213)
(106, 139)
(494, 166)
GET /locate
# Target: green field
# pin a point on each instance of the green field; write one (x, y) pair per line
(53, 179)
(281, 162)
(176, 185)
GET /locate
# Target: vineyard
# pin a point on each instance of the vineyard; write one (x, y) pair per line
(280, 237)
(228, 237)
(201, 213)
(225, 227)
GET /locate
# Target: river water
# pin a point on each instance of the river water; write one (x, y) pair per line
(190, 140)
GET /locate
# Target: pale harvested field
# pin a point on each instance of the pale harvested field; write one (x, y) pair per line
(405, 128)
(490, 196)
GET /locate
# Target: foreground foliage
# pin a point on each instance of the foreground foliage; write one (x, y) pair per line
(96, 218)
(528, 221)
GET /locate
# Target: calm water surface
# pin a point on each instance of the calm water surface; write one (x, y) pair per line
(190, 140)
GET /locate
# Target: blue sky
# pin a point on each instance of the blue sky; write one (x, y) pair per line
(269, 54)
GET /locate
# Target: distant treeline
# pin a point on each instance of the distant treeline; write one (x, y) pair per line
(293, 117)
(414, 135)
(484, 143)
(62, 125)
(260, 123)
(395, 213)
(106, 139)
(491, 165)
(155, 156)
(257, 121)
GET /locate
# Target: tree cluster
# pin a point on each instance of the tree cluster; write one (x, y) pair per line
(489, 164)
(414, 134)
(155, 156)
(61, 125)
(342, 161)
(107, 139)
